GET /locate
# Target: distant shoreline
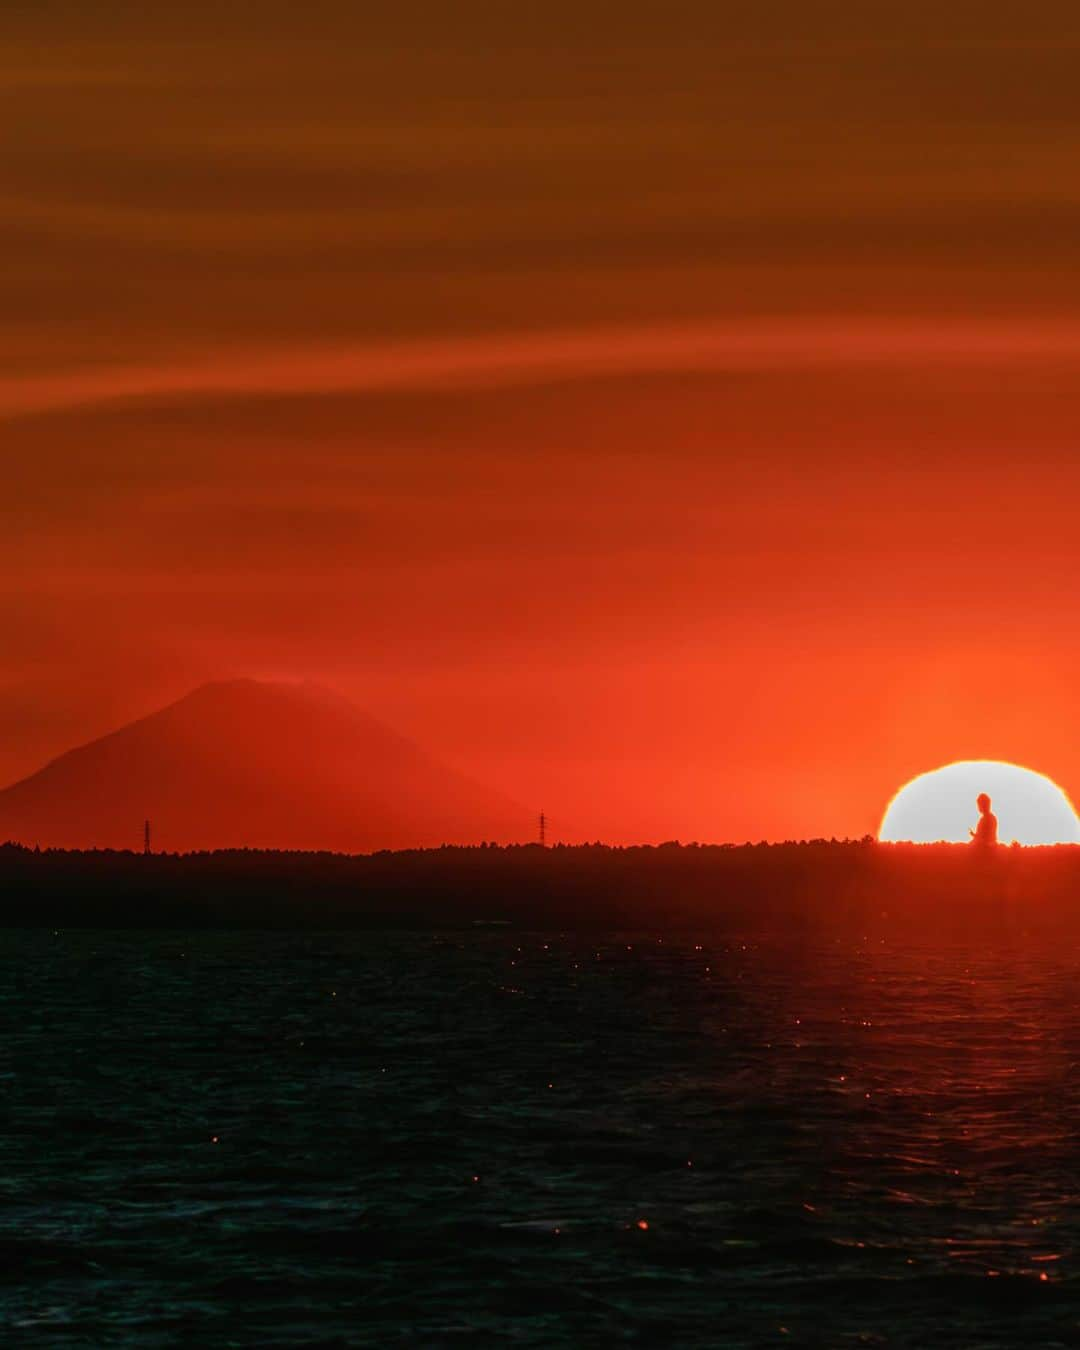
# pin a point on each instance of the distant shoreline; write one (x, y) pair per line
(783, 887)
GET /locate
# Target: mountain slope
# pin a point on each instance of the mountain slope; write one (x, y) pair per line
(244, 763)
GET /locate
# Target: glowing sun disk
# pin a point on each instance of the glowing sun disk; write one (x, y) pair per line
(940, 805)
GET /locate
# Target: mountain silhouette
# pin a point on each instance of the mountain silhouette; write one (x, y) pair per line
(243, 763)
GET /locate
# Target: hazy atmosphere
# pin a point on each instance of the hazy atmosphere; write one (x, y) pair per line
(668, 420)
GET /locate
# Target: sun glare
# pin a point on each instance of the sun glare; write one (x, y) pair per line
(941, 806)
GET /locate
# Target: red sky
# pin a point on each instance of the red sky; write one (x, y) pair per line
(673, 422)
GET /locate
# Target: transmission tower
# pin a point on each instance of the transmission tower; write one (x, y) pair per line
(146, 838)
(543, 830)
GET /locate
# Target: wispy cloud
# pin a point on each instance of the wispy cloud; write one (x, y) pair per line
(518, 359)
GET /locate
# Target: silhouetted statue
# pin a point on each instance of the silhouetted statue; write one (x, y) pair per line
(984, 835)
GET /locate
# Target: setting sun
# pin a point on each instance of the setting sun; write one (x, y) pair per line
(941, 806)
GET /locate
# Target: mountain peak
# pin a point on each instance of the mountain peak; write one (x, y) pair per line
(255, 763)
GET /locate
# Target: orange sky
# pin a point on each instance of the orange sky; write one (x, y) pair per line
(672, 421)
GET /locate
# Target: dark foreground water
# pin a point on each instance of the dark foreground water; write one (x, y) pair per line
(370, 1139)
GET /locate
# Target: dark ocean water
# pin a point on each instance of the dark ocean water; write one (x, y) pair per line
(369, 1139)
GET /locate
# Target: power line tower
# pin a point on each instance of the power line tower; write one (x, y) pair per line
(543, 830)
(146, 838)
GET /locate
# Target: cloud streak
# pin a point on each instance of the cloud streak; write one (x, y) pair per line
(518, 360)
